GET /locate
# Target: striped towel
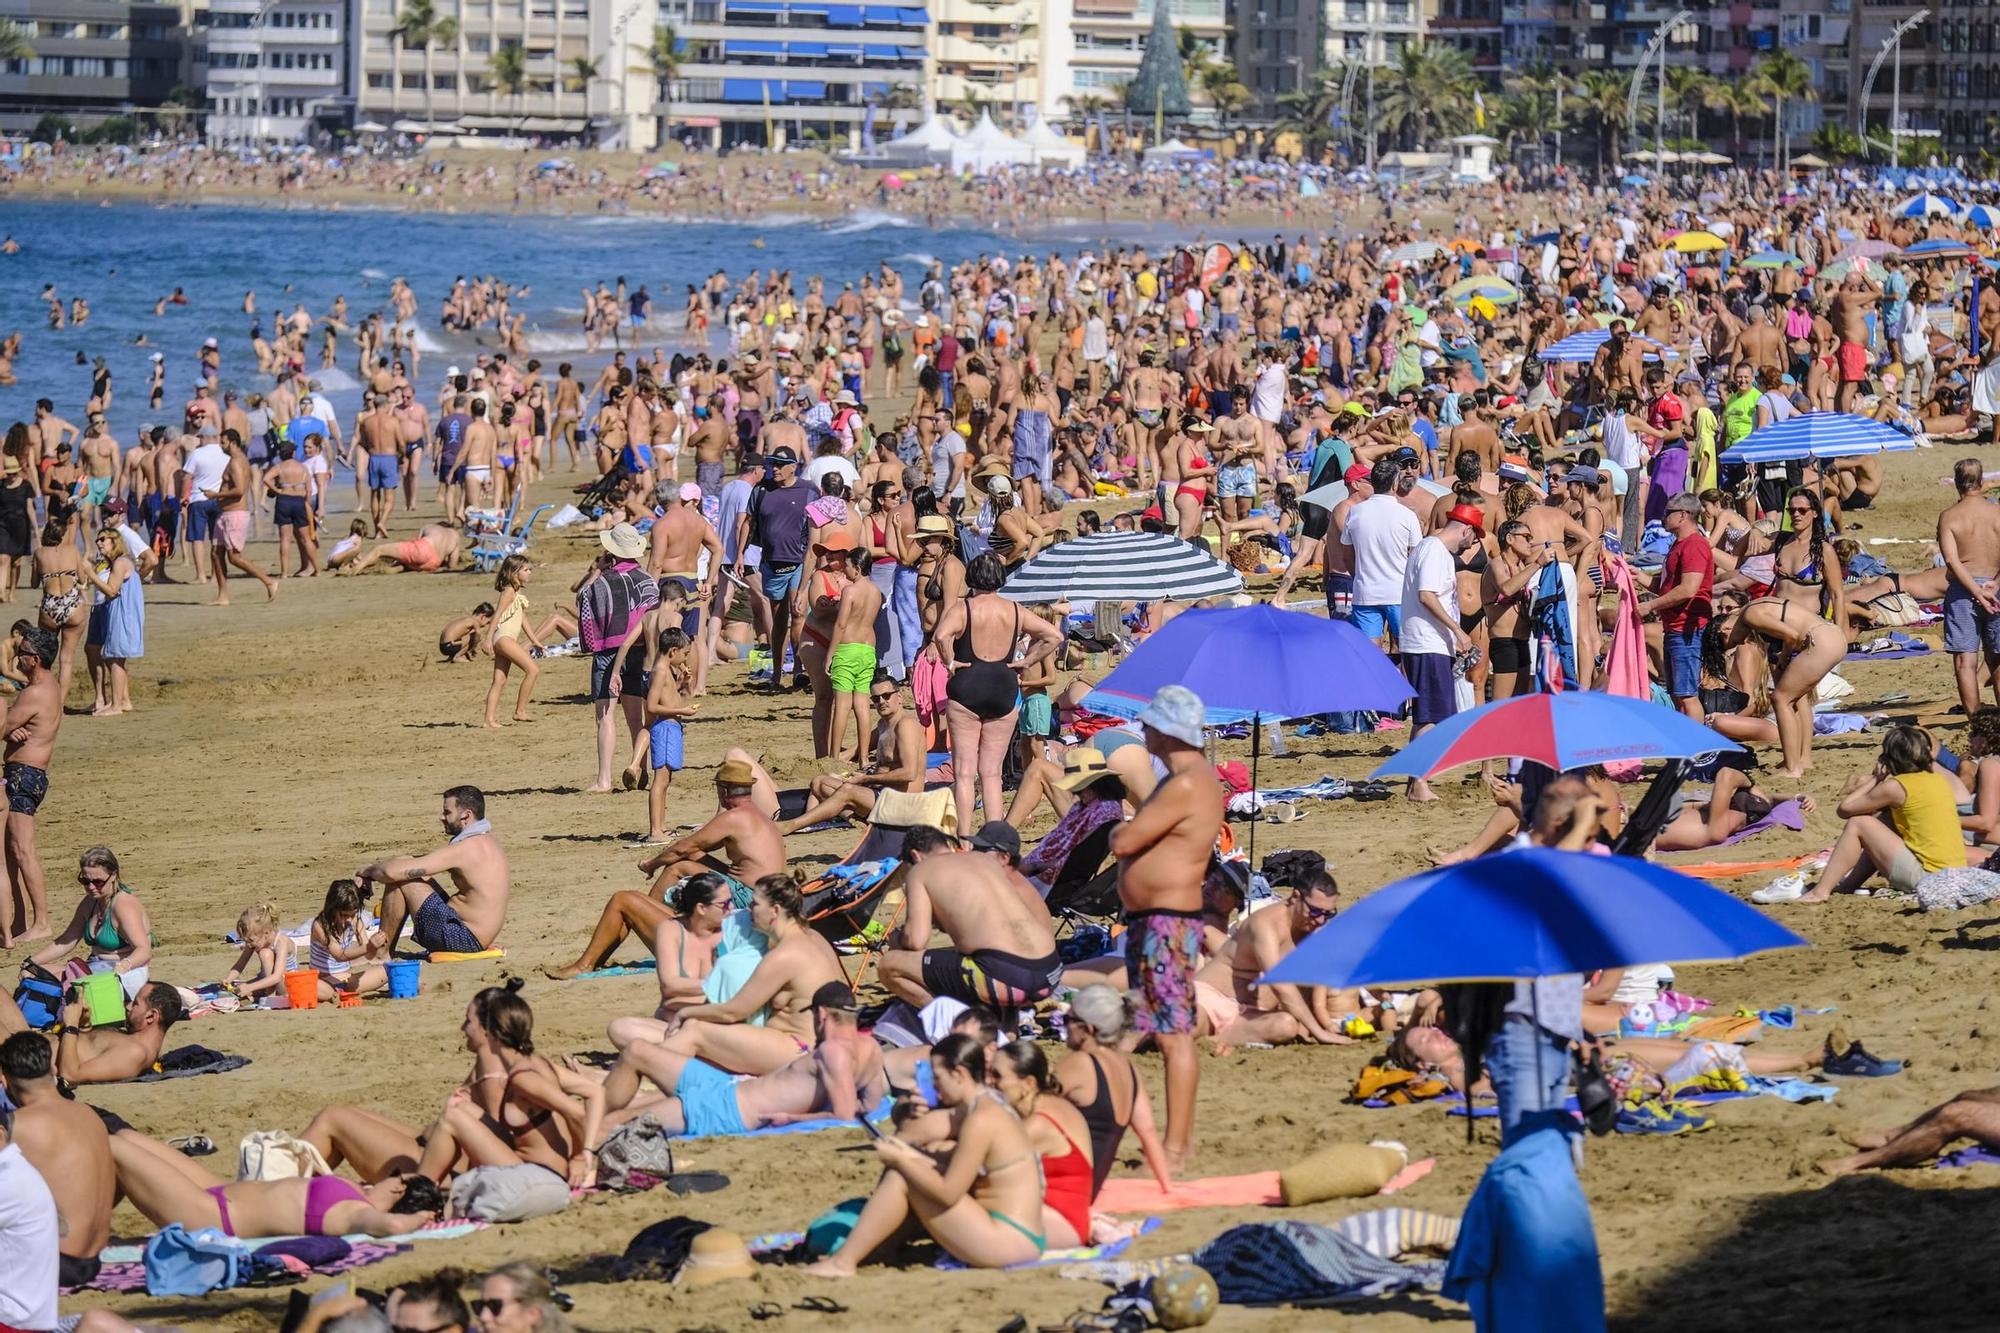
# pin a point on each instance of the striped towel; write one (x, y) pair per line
(1388, 1233)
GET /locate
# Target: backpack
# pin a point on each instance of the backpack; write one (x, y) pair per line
(272, 1154)
(39, 997)
(638, 1147)
(180, 1262)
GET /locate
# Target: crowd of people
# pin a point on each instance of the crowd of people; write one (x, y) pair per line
(832, 485)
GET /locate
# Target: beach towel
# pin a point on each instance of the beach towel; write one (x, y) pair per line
(123, 1268)
(1840, 724)
(617, 970)
(1737, 869)
(1973, 1156)
(1785, 814)
(1552, 615)
(1074, 1254)
(878, 1114)
(1954, 887)
(1900, 645)
(445, 956)
(1389, 1233)
(1141, 1194)
(1293, 1262)
(1626, 669)
(191, 1062)
(928, 679)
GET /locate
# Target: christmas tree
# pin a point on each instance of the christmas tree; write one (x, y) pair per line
(1160, 86)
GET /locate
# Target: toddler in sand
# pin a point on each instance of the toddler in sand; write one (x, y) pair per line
(459, 640)
(340, 938)
(263, 944)
(348, 549)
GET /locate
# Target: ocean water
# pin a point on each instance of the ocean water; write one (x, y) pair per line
(123, 258)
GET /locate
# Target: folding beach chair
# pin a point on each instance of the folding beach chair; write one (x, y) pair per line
(839, 911)
(495, 547)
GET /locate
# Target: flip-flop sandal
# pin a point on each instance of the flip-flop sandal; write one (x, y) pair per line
(764, 1310)
(820, 1305)
(697, 1182)
(193, 1145)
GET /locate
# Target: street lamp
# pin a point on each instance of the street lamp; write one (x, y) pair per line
(1893, 42)
(1656, 43)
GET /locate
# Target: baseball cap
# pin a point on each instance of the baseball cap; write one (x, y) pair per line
(782, 456)
(749, 463)
(1589, 476)
(1355, 472)
(1471, 515)
(997, 835)
(1175, 711)
(1685, 503)
(115, 508)
(690, 491)
(1404, 456)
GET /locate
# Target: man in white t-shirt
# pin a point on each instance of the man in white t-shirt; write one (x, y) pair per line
(136, 546)
(1431, 634)
(204, 467)
(29, 1259)
(1383, 533)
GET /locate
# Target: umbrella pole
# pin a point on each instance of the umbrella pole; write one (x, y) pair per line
(1256, 817)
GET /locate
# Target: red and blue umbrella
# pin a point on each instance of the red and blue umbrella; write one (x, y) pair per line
(1535, 912)
(1560, 731)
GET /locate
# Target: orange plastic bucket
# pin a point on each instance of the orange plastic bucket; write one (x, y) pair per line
(302, 988)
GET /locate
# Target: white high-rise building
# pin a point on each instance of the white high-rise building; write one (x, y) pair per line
(1369, 31)
(453, 87)
(275, 67)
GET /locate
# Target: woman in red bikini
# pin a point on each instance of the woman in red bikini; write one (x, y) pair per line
(1059, 1136)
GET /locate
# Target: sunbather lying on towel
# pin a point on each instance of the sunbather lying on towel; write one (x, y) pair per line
(1971, 1115)
(1735, 803)
(1432, 1050)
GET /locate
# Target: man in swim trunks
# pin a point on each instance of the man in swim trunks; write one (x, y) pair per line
(232, 524)
(749, 844)
(1968, 535)
(898, 767)
(467, 920)
(841, 1078)
(89, 1054)
(1852, 304)
(1163, 853)
(1235, 1010)
(1003, 941)
(381, 438)
(679, 537)
(97, 456)
(32, 722)
(65, 1141)
(435, 549)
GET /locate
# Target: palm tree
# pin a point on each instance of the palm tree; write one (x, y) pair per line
(582, 73)
(662, 59)
(1739, 98)
(509, 68)
(1196, 58)
(1525, 113)
(1837, 143)
(1309, 110)
(1687, 94)
(1783, 77)
(1427, 87)
(1601, 99)
(422, 27)
(14, 43)
(1225, 91)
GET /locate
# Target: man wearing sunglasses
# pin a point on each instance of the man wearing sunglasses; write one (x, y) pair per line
(897, 769)
(1234, 1009)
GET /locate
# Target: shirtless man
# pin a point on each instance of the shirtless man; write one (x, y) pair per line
(166, 499)
(380, 435)
(232, 524)
(89, 1054)
(1231, 1003)
(679, 536)
(50, 430)
(33, 719)
(898, 766)
(739, 842)
(65, 1141)
(467, 920)
(1852, 303)
(477, 457)
(97, 456)
(1968, 535)
(1163, 853)
(434, 548)
(1003, 942)
(289, 487)
(1761, 345)
(841, 1078)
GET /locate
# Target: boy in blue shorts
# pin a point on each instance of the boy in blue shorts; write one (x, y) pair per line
(666, 704)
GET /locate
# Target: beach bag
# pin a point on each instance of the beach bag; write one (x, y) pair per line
(508, 1193)
(1895, 608)
(180, 1262)
(1395, 1087)
(637, 1147)
(39, 997)
(272, 1154)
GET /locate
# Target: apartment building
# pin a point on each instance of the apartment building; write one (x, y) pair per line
(1369, 31)
(93, 59)
(774, 72)
(1111, 38)
(1277, 49)
(1476, 28)
(278, 69)
(451, 86)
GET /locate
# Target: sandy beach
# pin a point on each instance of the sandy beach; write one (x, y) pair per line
(278, 746)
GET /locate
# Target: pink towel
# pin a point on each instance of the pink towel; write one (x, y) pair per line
(1626, 669)
(1141, 1194)
(928, 679)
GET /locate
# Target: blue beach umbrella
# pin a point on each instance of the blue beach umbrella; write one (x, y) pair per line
(1941, 247)
(1772, 259)
(1535, 912)
(1572, 729)
(1984, 216)
(1581, 347)
(1817, 435)
(1926, 205)
(1256, 663)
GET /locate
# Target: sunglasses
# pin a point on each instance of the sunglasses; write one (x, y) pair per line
(1319, 915)
(490, 1305)
(882, 698)
(434, 1328)
(1801, 509)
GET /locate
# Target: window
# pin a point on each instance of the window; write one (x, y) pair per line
(412, 81)
(444, 83)
(378, 80)
(479, 46)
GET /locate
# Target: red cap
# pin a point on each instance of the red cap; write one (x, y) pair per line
(1471, 515)
(1355, 472)
(1153, 512)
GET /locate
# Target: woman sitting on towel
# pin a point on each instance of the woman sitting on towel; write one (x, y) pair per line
(767, 1022)
(514, 1108)
(980, 1199)
(1058, 1134)
(682, 932)
(169, 1189)
(1102, 1082)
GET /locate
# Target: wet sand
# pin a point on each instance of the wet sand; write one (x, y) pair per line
(277, 747)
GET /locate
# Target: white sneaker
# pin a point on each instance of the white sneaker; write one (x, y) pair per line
(1784, 889)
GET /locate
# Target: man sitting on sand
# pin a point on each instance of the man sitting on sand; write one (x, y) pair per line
(1003, 941)
(66, 1142)
(897, 771)
(1971, 1115)
(749, 844)
(89, 1054)
(433, 550)
(1234, 1010)
(467, 920)
(841, 1078)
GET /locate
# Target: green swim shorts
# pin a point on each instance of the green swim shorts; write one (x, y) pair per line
(852, 668)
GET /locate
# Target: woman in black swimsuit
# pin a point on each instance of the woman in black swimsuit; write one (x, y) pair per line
(984, 694)
(940, 574)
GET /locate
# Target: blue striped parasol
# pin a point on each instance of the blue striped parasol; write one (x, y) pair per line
(1583, 346)
(1818, 435)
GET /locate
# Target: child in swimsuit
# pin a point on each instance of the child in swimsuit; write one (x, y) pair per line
(264, 944)
(340, 938)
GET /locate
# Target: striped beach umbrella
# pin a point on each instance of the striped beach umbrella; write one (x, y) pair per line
(1562, 731)
(1414, 252)
(1927, 205)
(1772, 259)
(1818, 435)
(1580, 347)
(1122, 567)
(1941, 247)
(1495, 289)
(1984, 216)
